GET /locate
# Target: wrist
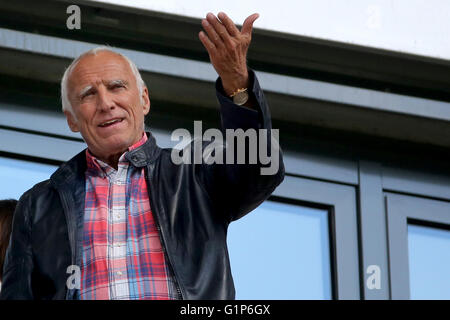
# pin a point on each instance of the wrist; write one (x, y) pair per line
(232, 85)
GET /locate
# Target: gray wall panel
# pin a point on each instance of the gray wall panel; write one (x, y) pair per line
(38, 146)
(409, 181)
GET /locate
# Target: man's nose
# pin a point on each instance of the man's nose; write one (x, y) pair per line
(104, 100)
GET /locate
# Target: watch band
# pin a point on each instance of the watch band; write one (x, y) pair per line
(240, 96)
(237, 91)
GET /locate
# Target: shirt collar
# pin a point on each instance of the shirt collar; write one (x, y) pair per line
(98, 167)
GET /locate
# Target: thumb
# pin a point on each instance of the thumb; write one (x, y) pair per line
(247, 27)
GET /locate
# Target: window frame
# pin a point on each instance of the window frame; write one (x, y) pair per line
(340, 200)
(400, 210)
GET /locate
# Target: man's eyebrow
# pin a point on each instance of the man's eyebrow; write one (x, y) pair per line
(107, 83)
(117, 82)
(84, 91)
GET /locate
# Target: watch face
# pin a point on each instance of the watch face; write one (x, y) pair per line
(240, 98)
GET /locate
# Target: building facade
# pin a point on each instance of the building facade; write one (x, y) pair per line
(364, 210)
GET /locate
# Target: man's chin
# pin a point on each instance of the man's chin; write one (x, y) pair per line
(114, 145)
(117, 147)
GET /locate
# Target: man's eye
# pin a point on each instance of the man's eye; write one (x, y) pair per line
(87, 94)
(117, 86)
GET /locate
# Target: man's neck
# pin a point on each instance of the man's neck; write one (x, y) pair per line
(113, 160)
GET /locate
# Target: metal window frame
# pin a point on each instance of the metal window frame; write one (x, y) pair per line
(340, 200)
(399, 209)
(372, 229)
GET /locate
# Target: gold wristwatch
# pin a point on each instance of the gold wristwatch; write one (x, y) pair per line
(240, 96)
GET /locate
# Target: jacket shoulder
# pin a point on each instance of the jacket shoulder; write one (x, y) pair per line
(39, 193)
(37, 190)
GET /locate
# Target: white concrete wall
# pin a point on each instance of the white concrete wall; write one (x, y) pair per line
(413, 26)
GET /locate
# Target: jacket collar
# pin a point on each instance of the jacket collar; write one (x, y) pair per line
(76, 167)
(145, 154)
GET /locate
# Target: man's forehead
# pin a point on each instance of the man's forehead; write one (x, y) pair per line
(103, 64)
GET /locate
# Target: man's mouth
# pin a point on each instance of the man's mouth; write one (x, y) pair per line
(110, 122)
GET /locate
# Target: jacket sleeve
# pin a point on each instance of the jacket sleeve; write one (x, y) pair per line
(236, 188)
(18, 265)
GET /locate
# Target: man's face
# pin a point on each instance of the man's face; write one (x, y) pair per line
(105, 100)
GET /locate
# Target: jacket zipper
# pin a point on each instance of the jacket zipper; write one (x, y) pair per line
(161, 237)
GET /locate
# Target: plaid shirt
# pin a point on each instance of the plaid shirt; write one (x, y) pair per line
(122, 253)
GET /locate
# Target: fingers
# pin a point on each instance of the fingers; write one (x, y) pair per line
(219, 29)
(212, 34)
(247, 27)
(224, 32)
(208, 44)
(229, 24)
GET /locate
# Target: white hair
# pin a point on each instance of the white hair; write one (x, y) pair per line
(66, 105)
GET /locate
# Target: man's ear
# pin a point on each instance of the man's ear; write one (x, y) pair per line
(73, 124)
(146, 100)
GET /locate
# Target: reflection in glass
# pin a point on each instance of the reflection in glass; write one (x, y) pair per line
(429, 262)
(281, 251)
(17, 176)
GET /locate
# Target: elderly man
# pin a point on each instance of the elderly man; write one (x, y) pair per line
(121, 220)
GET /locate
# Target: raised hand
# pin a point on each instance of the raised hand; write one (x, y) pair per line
(227, 48)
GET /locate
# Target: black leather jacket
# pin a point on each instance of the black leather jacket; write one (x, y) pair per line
(193, 205)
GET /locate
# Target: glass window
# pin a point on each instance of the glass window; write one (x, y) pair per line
(281, 251)
(17, 176)
(429, 262)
